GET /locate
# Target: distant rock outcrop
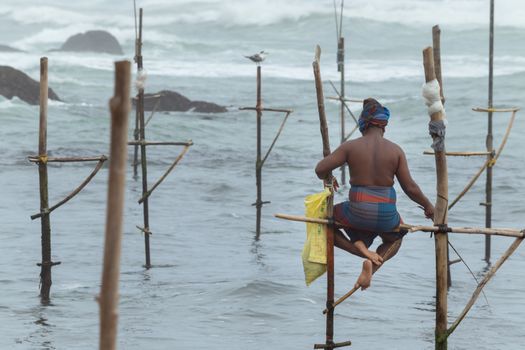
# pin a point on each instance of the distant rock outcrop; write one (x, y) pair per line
(5, 48)
(93, 41)
(16, 83)
(174, 102)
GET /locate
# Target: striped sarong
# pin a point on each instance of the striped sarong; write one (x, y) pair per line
(369, 212)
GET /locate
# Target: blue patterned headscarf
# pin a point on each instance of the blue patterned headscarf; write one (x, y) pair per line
(373, 114)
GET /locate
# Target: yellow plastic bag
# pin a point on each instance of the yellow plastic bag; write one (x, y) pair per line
(314, 250)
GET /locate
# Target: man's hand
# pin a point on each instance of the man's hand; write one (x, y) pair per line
(333, 182)
(429, 211)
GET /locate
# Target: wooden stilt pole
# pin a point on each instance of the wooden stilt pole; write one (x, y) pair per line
(45, 266)
(440, 218)
(142, 141)
(42, 159)
(260, 159)
(436, 45)
(329, 205)
(258, 162)
(330, 263)
(120, 108)
(489, 141)
(140, 102)
(341, 68)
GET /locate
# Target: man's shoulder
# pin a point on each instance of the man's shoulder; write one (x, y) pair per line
(393, 145)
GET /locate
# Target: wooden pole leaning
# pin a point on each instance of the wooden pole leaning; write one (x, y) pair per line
(490, 160)
(45, 210)
(330, 290)
(440, 219)
(260, 159)
(120, 108)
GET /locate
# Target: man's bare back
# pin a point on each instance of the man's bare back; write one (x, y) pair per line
(375, 161)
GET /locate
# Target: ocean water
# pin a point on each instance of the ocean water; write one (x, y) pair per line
(213, 286)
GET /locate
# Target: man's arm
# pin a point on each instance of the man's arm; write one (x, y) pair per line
(410, 187)
(332, 161)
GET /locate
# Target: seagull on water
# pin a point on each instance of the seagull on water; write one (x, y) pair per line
(258, 57)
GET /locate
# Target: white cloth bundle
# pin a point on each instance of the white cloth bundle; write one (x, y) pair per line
(430, 92)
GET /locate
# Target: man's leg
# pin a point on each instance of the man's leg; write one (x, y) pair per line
(358, 248)
(386, 250)
(342, 242)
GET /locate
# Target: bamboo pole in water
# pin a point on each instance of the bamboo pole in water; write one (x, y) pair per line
(489, 141)
(139, 108)
(142, 142)
(258, 161)
(46, 264)
(440, 218)
(120, 108)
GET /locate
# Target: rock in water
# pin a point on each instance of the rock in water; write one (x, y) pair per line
(207, 107)
(174, 102)
(16, 83)
(94, 41)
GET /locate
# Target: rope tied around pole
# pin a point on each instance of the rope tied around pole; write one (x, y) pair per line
(140, 82)
(42, 159)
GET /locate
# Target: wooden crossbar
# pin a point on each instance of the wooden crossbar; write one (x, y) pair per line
(507, 232)
(346, 99)
(36, 159)
(492, 110)
(460, 154)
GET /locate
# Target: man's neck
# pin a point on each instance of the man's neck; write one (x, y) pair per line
(374, 132)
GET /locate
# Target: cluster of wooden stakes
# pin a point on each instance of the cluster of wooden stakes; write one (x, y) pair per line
(432, 69)
(120, 108)
(42, 160)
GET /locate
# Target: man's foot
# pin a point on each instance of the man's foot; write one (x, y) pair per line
(365, 278)
(375, 258)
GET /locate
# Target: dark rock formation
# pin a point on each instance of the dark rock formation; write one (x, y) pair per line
(5, 48)
(93, 41)
(16, 83)
(175, 102)
(207, 107)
